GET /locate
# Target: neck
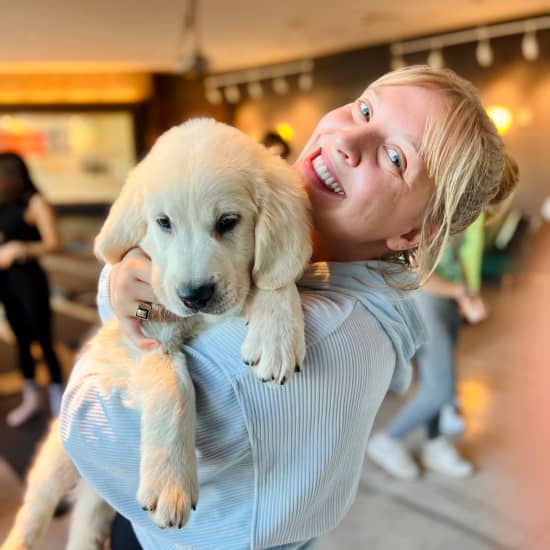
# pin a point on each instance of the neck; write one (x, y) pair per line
(324, 251)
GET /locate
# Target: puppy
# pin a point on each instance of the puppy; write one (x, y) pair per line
(226, 226)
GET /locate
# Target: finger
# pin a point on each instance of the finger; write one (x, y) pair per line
(138, 265)
(132, 329)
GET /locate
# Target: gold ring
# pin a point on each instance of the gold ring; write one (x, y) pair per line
(143, 310)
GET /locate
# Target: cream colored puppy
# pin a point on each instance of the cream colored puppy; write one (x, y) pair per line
(225, 223)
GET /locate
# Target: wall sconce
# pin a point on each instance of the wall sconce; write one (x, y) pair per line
(502, 117)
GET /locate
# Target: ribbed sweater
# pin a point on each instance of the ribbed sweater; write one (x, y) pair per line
(278, 466)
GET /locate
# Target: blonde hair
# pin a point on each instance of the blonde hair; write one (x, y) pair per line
(464, 157)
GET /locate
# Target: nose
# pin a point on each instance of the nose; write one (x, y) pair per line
(196, 297)
(348, 146)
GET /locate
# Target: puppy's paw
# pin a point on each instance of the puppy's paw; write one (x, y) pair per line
(274, 347)
(168, 498)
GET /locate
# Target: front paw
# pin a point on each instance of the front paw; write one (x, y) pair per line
(275, 348)
(168, 498)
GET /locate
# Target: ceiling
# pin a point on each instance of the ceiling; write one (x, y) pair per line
(143, 35)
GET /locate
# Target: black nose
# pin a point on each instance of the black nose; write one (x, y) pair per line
(196, 297)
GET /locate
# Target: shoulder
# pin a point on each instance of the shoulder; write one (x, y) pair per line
(328, 314)
(37, 207)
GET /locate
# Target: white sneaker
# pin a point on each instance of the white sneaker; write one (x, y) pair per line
(28, 407)
(450, 421)
(441, 456)
(392, 456)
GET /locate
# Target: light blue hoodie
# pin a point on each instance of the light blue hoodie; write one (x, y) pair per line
(278, 466)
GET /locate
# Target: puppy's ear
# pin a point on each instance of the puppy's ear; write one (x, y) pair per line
(125, 224)
(283, 240)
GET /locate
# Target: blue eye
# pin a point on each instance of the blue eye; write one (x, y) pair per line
(365, 110)
(395, 158)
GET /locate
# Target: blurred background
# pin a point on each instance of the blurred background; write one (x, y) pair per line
(85, 89)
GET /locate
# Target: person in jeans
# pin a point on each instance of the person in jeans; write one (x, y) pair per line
(448, 297)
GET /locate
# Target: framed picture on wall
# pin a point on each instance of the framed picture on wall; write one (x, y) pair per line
(76, 157)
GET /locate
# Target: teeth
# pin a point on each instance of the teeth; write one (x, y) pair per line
(322, 171)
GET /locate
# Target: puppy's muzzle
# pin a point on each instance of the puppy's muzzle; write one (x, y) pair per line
(196, 297)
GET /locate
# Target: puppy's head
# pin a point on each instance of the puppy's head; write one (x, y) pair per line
(216, 212)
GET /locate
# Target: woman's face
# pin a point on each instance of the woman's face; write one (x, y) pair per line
(365, 178)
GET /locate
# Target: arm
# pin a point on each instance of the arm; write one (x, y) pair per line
(472, 307)
(471, 255)
(40, 214)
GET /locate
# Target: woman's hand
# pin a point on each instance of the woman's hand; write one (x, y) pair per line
(130, 283)
(11, 252)
(473, 309)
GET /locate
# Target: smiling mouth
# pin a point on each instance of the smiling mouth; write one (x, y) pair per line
(325, 176)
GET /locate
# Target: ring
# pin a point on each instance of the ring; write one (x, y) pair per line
(143, 310)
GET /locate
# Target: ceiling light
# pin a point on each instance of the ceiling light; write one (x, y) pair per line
(214, 96)
(530, 46)
(397, 59)
(435, 59)
(398, 62)
(305, 82)
(232, 94)
(255, 90)
(280, 86)
(484, 53)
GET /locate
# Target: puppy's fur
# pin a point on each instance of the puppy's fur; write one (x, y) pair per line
(214, 211)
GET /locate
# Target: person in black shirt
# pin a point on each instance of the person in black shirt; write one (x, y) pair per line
(28, 230)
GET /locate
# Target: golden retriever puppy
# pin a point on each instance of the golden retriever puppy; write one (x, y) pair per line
(226, 225)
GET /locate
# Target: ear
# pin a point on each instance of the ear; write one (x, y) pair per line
(283, 240)
(410, 240)
(125, 224)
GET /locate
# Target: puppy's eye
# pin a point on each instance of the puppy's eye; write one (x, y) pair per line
(226, 223)
(164, 223)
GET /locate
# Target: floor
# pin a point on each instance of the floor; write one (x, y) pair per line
(503, 388)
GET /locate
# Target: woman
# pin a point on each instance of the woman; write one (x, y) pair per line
(28, 230)
(451, 293)
(278, 467)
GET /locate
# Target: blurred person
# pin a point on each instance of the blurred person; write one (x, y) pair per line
(276, 144)
(28, 230)
(278, 467)
(450, 295)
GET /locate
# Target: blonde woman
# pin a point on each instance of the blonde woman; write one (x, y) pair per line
(390, 176)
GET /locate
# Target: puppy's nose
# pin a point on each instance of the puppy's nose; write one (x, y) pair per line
(196, 297)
